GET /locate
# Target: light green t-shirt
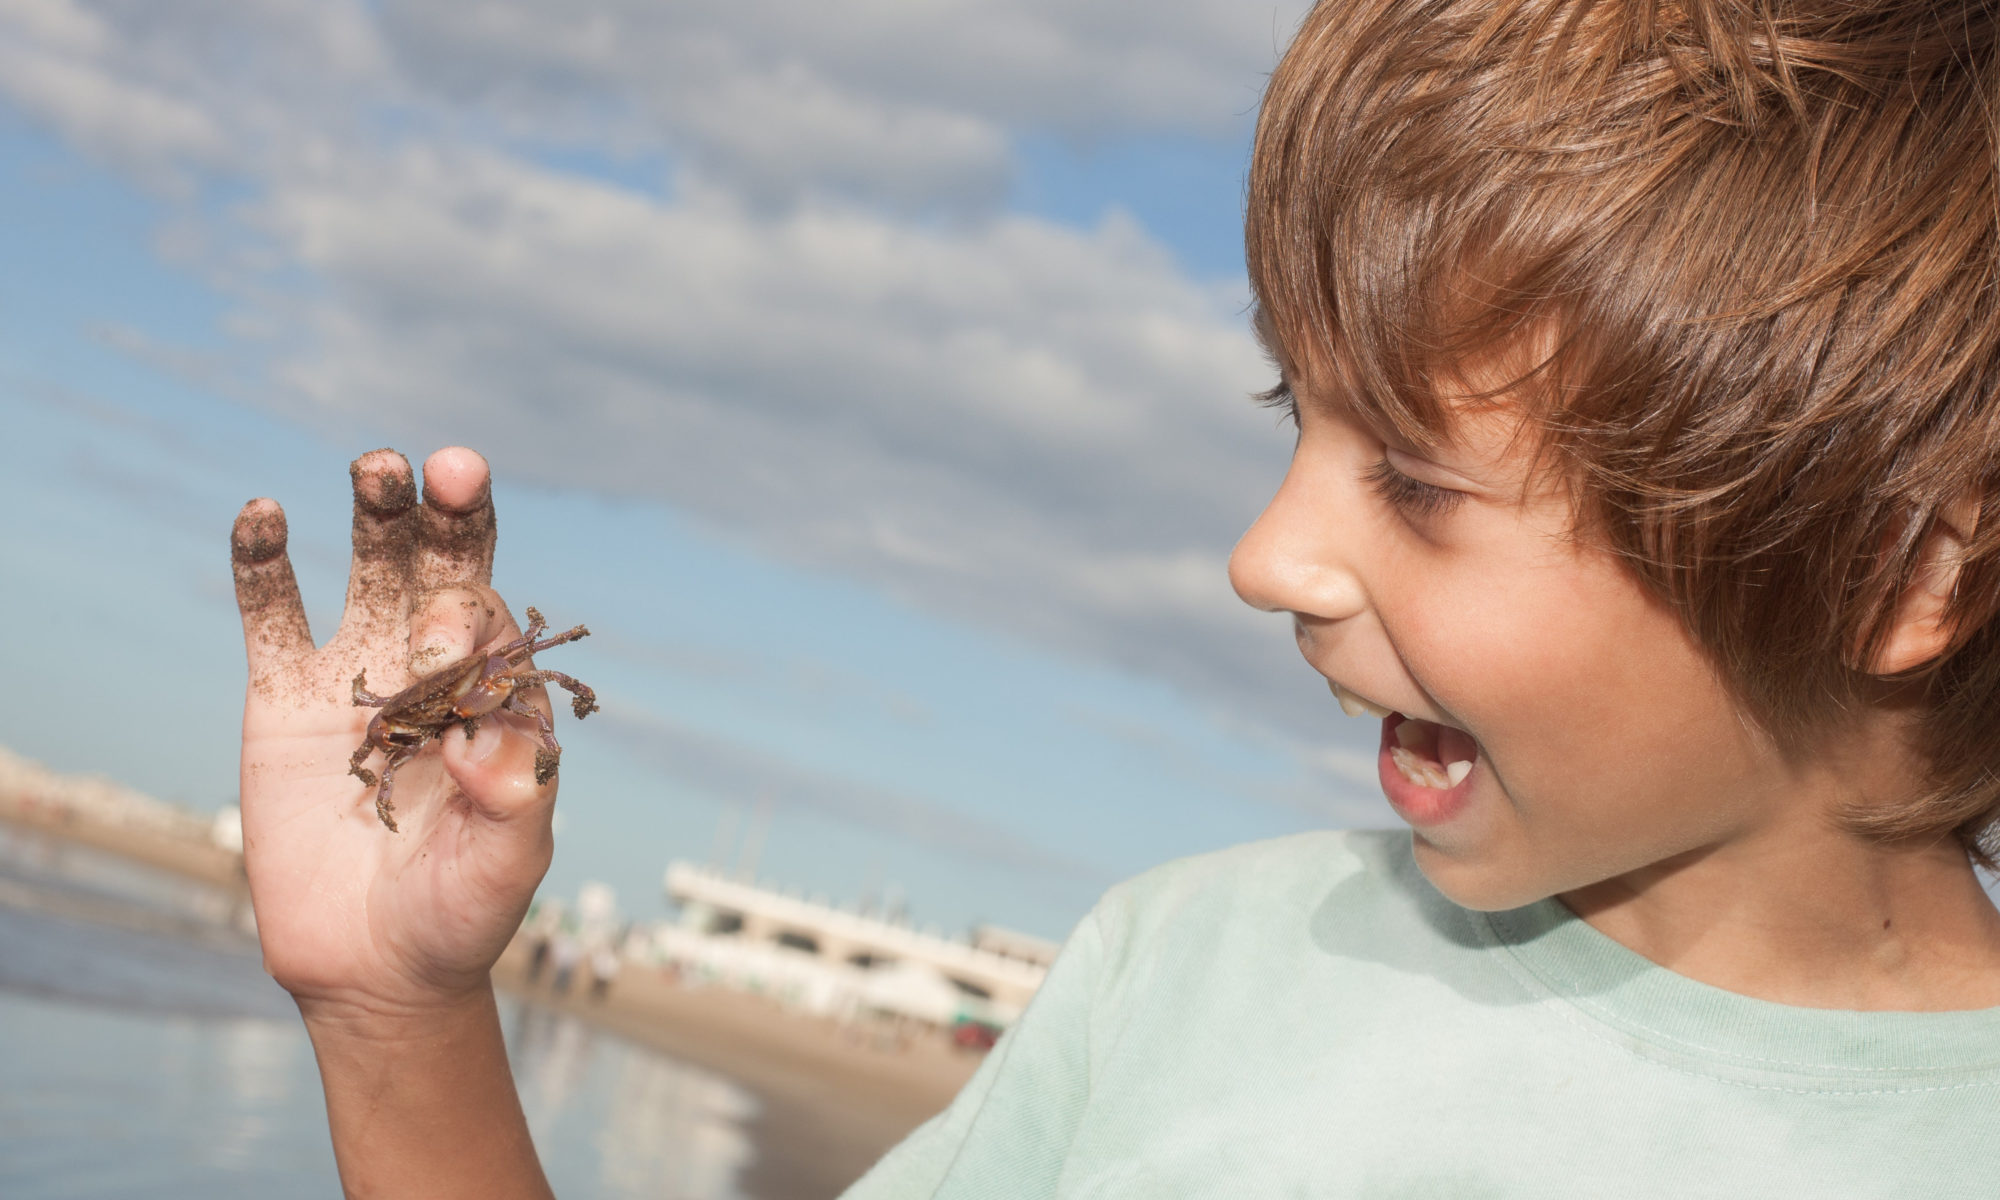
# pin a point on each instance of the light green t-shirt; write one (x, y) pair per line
(1309, 1017)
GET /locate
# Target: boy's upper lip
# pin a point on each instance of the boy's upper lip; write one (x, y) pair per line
(1368, 703)
(1355, 704)
(1347, 695)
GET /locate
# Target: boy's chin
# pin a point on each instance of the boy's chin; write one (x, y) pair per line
(1481, 882)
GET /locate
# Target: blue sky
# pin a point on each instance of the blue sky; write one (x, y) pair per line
(875, 393)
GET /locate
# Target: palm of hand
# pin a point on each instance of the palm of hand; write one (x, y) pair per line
(348, 912)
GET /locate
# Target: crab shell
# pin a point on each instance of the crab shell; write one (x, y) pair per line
(461, 692)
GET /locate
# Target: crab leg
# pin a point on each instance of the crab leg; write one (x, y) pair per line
(569, 635)
(525, 645)
(383, 808)
(586, 699)
(354, 766)
(515, 703)
(521, 647)
(546, 759)
(535, 624)
(518, 651)
(363, 696)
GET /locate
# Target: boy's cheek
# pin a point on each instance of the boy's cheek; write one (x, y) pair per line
(1561, 805)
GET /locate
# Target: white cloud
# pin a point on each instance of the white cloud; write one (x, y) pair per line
(724, 769)
(62, 26)
(1030, 425)
(872, 98)
(1036, 427)
(138, 127)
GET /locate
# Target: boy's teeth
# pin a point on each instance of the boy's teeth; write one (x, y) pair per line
(1406, 764)
(1353, 705)
(1414, 769)
(1427, 774)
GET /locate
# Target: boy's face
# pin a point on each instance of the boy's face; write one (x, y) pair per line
(1447, 587)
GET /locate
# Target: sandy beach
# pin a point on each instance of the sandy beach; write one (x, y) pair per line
(187, 857)
(837, 1099)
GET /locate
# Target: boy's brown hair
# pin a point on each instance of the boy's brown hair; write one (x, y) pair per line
(1756, 242)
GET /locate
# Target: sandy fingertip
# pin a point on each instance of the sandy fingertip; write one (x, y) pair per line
(383, 482)
(260, 533)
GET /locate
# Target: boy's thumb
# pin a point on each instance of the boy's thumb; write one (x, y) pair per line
(496, 769)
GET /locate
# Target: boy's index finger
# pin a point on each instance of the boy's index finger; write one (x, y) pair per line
(385, 539)
(447, 624)
(275, 634)
(456, 522)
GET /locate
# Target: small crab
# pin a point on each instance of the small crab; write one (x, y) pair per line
(459, 695)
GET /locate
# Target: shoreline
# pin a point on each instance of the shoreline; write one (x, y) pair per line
(200, 861)
(834, 1098)
(834, 1101)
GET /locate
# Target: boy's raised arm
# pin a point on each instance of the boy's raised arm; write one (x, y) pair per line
(385, 939)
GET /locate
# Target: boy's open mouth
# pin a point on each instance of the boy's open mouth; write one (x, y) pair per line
(1428, 754)
(1424, 766)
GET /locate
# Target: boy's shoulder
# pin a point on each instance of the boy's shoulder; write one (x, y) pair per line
(1318, 855)
(1280, 888)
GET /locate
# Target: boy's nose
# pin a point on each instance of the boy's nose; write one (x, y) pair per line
(1294, 558)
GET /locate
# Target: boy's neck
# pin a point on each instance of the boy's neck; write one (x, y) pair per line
(1792, 908)
(1824, 922)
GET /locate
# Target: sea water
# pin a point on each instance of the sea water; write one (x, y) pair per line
(144, 1052)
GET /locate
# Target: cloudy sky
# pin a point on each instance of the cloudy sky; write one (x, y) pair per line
(870, 377)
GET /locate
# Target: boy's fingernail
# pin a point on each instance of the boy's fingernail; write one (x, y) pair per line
(485, 742)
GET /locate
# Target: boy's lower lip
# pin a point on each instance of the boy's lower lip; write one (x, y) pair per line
(1413, 802)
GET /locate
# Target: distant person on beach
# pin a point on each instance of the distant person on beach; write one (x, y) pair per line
(565, 955)
(538, 955)
(1644, 361)
(603, 970)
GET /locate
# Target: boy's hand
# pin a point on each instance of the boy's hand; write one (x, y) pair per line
(361, 924)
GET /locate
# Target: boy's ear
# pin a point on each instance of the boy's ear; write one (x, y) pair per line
(1921, 631)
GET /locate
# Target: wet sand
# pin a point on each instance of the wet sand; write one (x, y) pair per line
(198, 860)
(833, 1099)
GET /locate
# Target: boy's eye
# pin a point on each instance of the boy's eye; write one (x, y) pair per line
(1411, 497)
(1279, 396)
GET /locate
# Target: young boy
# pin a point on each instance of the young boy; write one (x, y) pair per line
(1643, 359)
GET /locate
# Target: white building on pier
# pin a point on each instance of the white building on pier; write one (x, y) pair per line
(842, 963)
